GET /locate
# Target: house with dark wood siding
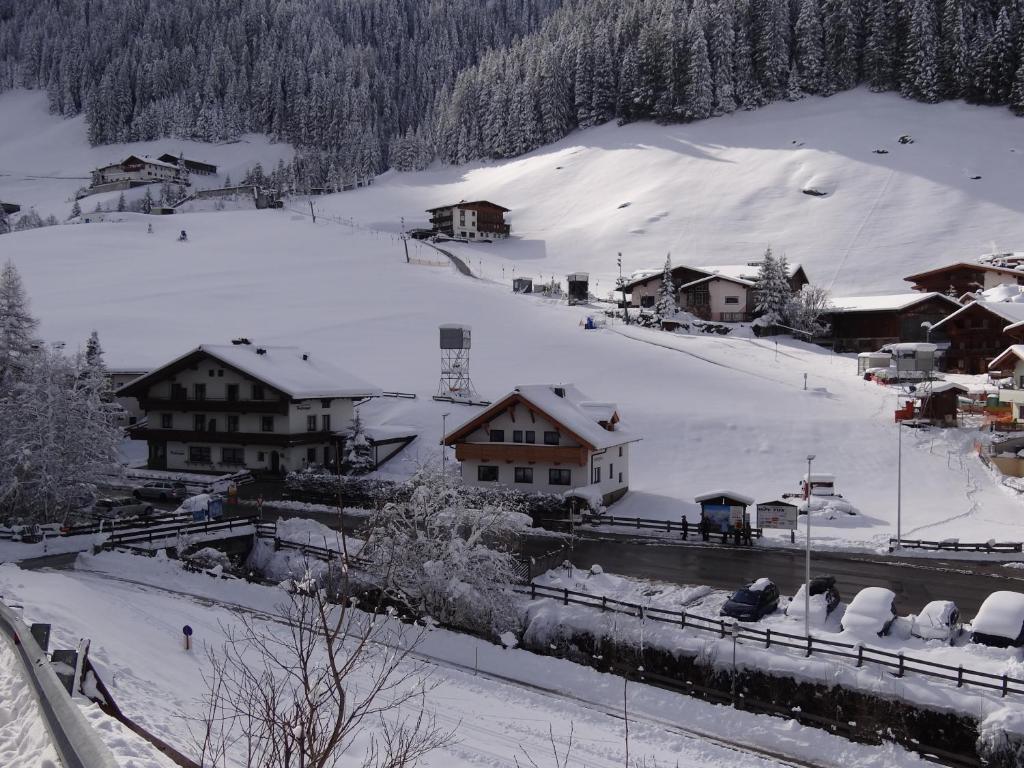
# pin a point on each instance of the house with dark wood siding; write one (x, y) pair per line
(867, 323)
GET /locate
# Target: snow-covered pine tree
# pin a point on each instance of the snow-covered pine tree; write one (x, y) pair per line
(146, 205)
(1017, 94)
(76, 210)
(841, 45)
(699, 88)
(720, 51)
(122, 204)
(810, 54)
(921, 71)
(17, 326)
(999, 59)
(665, 303)
(952, 59)
(771, 47)
(358, 459)
(771, 289)
(748, 93)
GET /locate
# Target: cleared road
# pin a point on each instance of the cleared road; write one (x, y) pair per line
(915, 581)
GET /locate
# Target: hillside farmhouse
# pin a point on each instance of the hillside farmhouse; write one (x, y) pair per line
(192, 166)
(140, 170)
(546, 438)
(964, 277)
(867, 323)
(223, 407)
(722, 293)
(476, 220)
(978, 333)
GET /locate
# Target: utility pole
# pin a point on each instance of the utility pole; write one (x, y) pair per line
(405, 241)
(444, 450)
(622, 287)
(807, 558)
(899, 484)
(312, 212)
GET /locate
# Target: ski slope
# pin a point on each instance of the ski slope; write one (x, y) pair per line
(713, 412)
(133, 609)
(720, 191)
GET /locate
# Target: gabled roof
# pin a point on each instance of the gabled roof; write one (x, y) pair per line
(138, 159)
(963, 265)
(709, 278)
(1010, 311)
(469, 202)
(893, 302)
(1007, 355)
(579, 417)
(744, 274)
(281, 368)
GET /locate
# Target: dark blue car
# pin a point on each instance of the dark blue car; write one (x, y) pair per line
(753, 602)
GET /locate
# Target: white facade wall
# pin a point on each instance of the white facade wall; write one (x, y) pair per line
(992, 279)
(255, 456)
(647, 289)
(464, 223)
(613, 463)
(148, 172)
(721, 290)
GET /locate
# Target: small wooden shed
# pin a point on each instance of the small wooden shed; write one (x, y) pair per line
(940, 401)
(522, 285)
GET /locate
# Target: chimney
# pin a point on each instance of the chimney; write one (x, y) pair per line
(305, 356)
(261, 351)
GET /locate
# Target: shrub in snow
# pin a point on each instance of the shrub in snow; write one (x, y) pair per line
(443, 553)
(805, 310)
(358, 451)
(208, 557)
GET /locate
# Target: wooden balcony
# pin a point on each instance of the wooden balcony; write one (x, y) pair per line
(212, 405)
(518, 453)
(281, 439)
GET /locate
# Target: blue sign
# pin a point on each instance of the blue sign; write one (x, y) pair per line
(186, 631)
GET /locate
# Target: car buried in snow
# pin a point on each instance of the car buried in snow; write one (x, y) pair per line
(753, 602)
(871, 612)
(938, 620)
(1000, 621)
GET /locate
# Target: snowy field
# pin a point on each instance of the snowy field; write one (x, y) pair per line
(136, 645)
(714, 412)
(720, 191)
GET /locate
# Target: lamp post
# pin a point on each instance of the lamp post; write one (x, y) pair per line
(444, 449)
(899, 483)
(807, 557)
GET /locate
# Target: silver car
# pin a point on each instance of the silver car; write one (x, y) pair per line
(160, 490)
(127, 507)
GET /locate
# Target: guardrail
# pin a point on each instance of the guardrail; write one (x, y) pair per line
(899, 663)
(75, 741)
(171, 531)
(121, 524)
(953, 545)
(268, 531)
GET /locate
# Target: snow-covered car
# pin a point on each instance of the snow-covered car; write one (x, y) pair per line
(824, 599)
(110, 509)
(204, 506)
(160, 490)
(871, 612)
(1000, 620)
(939, 620)
(753, 602)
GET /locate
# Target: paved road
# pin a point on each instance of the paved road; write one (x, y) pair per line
(915, 581)
(459, 263)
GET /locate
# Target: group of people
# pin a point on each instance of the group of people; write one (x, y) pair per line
(741, 535)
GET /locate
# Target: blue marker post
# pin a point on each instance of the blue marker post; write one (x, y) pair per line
(187, 632)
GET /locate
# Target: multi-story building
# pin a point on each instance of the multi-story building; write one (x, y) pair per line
(546, 438)
(225, 407)
(138, 170)
(476, 220)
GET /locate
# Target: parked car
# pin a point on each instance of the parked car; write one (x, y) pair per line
(824, 599)
(753, 602)
(111, 509)
(872, 611)
(939, 620)
(160, 490)
(1000, 621)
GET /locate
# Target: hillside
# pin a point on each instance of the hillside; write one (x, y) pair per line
(722, 190)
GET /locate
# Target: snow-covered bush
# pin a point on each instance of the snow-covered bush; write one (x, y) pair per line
(806, 309)
(446, 555)
(358, 451)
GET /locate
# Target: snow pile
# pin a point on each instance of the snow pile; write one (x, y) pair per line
(870, 613)
(819, 608)
(24, 739)
(286, 564)
(596, 582)
(1001, 615)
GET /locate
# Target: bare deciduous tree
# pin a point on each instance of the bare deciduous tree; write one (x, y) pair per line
(319, 683)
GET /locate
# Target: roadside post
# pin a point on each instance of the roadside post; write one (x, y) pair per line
(187, 632)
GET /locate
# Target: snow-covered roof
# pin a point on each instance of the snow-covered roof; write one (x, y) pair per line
(737, 280)
(571, 410)
(728, 494)
(912, 346)
(942, 386)
(141, 158)
(746, 272)
(887, 302)
(1014, 350)
(283, 368)
(1001, 615)
(820, 477)
(1010, 311)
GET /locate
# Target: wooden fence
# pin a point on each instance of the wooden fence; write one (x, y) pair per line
(590, 518)
(172, 531)
(898, 663)
(953, 545)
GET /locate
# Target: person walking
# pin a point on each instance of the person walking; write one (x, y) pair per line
(737, 534)
(748, 534)
(686, 528)
(705, 530)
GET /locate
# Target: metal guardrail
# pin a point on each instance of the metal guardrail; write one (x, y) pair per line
(170, 531)
(898, 663)
(953, 545)
(75, 741)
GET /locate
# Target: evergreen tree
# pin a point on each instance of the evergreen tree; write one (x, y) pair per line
(121, 204)
(771, 289)
(810, 53)
(921, 75)
(699, 92)
(720, 50)
(358, 450)
(841, 48)
(665, 304)
(771, 49)
(76, 210)
(952, 58)
(17, 325)
(1017, 94)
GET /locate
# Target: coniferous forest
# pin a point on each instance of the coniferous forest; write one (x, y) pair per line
(361, 85)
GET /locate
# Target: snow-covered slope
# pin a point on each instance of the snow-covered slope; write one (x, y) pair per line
(720, 191)
(44, 159)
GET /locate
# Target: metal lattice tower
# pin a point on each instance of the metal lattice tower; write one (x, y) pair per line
(455, 382)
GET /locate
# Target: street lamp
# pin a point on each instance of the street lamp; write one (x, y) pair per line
(807, 557)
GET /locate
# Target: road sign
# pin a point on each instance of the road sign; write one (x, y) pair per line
(777, 515)
(187, 632)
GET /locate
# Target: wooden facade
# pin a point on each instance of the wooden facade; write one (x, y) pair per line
(977, 335)
(489, 219)
(869, 330)
(963, 277)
